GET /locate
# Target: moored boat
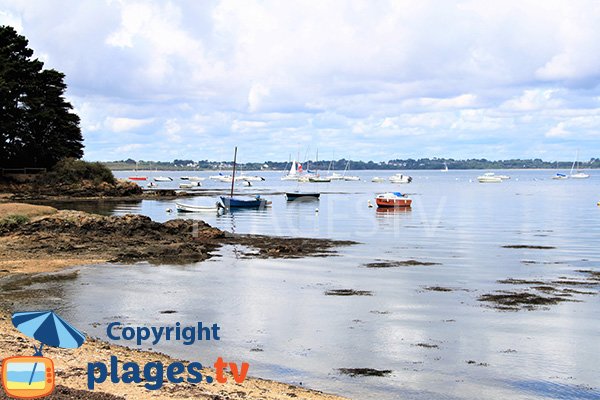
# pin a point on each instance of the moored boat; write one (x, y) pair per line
(578, 174)
(392, 199)
(291, 196)
(294, 172)
(489, 177)
(560, 177)
(138, 178)
(163, 179)
(335, 177)
(319, 179)
(399, 178)
(194, 208)
(250, 178)
(378, 179)
(190, 185)
(236, 202)
(232, 202)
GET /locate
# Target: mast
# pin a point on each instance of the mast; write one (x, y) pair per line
(233, 177)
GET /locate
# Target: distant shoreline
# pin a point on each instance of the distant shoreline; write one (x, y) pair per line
(355, 170)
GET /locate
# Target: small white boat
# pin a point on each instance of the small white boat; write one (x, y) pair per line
(335, 177)
(192, 178)
(190, 185)
(223, 178)
(399, 178)
(194, 208)
(489, 177)
(580, 175)
(249, 178)
(319, 179)
(445, 169)
(352, 178)
(378, 179)
(163, 179)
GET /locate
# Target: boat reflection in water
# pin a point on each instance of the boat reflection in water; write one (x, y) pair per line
(393, 210)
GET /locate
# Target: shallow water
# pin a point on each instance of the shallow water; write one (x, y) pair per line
(275, 315)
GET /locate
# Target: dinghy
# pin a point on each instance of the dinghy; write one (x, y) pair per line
(194, 208)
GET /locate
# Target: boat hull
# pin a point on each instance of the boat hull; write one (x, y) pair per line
(230, 202)
(192, 208)
(393, 203)
(489, 179)
(304, 196)
(138, 178)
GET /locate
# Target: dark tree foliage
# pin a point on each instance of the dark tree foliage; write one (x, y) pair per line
(37, 125)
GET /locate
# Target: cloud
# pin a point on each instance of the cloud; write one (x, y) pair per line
(483, 78)
(125, 124)
(558, 131)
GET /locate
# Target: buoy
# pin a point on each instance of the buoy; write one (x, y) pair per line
(598, 203)
(369, 204)
(168, 210)
(316, 210)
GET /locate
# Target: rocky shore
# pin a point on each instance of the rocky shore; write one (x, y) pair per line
(63, 238)
(38, 239)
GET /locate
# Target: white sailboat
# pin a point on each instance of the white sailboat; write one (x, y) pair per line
(350, 177)
(445, 169)
(294, 172)
(579, 174)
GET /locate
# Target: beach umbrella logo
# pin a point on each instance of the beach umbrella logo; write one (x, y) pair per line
(29, 377)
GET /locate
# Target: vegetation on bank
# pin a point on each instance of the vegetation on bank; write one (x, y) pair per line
(11, 221)
(72, 171)
(421, 163)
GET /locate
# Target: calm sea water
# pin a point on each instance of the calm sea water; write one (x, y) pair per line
(275, 315)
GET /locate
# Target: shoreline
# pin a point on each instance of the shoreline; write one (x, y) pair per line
(54, 240)
(71, 373)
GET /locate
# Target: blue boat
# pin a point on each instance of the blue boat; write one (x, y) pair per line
(231, 202)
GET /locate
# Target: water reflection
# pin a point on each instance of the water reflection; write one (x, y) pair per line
(438, 344)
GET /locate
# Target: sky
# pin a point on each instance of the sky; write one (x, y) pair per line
(356, 79)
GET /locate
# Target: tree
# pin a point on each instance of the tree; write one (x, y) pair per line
(37, 125)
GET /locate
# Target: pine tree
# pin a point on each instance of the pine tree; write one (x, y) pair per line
(37, 125)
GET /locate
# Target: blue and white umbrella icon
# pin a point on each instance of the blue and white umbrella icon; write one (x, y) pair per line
(48, 328)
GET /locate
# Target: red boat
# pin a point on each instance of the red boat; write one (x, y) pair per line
(390, 200)
(138, 178)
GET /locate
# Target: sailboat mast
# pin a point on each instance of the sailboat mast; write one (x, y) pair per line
(573, 166)
(233, 177)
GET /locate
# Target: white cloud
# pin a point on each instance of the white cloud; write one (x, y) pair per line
(126, 124)
(459, 73)
(533, 99)
(558, 131)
